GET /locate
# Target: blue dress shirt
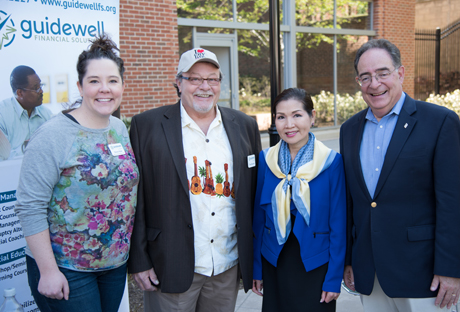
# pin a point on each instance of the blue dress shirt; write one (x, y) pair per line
(16, 124)
(376, 138)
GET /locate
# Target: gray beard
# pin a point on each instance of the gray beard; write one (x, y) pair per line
(202, 109)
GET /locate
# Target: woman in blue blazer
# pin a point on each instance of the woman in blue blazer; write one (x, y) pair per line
(299, 214)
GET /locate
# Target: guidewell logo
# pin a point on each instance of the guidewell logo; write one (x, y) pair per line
(7, 30)
(46, 29)
(59, 31)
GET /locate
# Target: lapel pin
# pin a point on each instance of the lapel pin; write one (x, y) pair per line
(405, 126)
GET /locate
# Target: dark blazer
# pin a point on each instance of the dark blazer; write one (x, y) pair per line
(410, 230)
(321, 242)
(163, 230)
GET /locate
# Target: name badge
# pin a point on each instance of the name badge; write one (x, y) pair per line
(116, 149)
(251, 161)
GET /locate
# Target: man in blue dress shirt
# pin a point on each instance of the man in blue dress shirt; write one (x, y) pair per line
(22, 114)
(402, 167)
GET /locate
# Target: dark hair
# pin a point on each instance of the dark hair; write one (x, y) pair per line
(101, 48)
(178, 77)
(296, 94)
(18, 78)
(379, 44)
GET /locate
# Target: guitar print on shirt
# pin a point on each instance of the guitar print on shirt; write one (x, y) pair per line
(202, 181)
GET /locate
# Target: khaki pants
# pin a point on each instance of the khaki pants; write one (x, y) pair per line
(206, 294)
(378, 301)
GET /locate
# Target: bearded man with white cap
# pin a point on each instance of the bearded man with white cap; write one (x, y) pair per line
(192, 238)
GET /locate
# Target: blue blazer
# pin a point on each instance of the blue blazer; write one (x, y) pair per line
(324, 241)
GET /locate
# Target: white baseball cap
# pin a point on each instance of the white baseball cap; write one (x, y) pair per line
(189, 58)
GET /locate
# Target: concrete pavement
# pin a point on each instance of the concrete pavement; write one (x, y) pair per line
(250, 302)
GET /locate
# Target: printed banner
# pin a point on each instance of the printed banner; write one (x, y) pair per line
(13, 269)
(48, 36)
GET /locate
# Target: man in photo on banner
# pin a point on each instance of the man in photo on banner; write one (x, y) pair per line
(402, 168)
(23, 113)
(192, 237)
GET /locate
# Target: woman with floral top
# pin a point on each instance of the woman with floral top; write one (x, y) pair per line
(77, 194)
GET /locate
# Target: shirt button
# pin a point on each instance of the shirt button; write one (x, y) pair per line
(212, 241)
(213, 213)
(207, 140)
(373, 204)
(381, 127)
(189, 226)
(378, 147)
(376, 169)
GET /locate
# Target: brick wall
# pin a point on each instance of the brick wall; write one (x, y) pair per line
(430, 14)
(150, 48)
(395, 20)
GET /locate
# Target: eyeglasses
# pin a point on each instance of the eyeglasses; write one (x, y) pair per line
(40, 88)
(197, 81)
(383, 75)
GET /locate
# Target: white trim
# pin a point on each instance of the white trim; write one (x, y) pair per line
(290, 46)
(193, 22)
(223, 40)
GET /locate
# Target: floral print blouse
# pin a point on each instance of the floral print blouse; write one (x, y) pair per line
(91, 206)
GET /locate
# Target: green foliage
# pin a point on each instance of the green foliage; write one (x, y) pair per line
(347, 106)
(127, 121)
(449, 100)
(202, 171)
(219, 10)
(254, 94)
(219, 178)
(319, 14)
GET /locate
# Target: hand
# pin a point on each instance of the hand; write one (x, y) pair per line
(145, 280)
(257, 287)
(53, 285)
(449, 290)
(349, 278)
(327, 296)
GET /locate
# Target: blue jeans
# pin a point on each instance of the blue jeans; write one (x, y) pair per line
(89, 291)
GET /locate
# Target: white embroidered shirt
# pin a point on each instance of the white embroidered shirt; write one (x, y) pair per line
(213, 207)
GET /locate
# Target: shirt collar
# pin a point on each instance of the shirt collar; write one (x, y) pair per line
(396, 109)
(186, 120)
(20, 110)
